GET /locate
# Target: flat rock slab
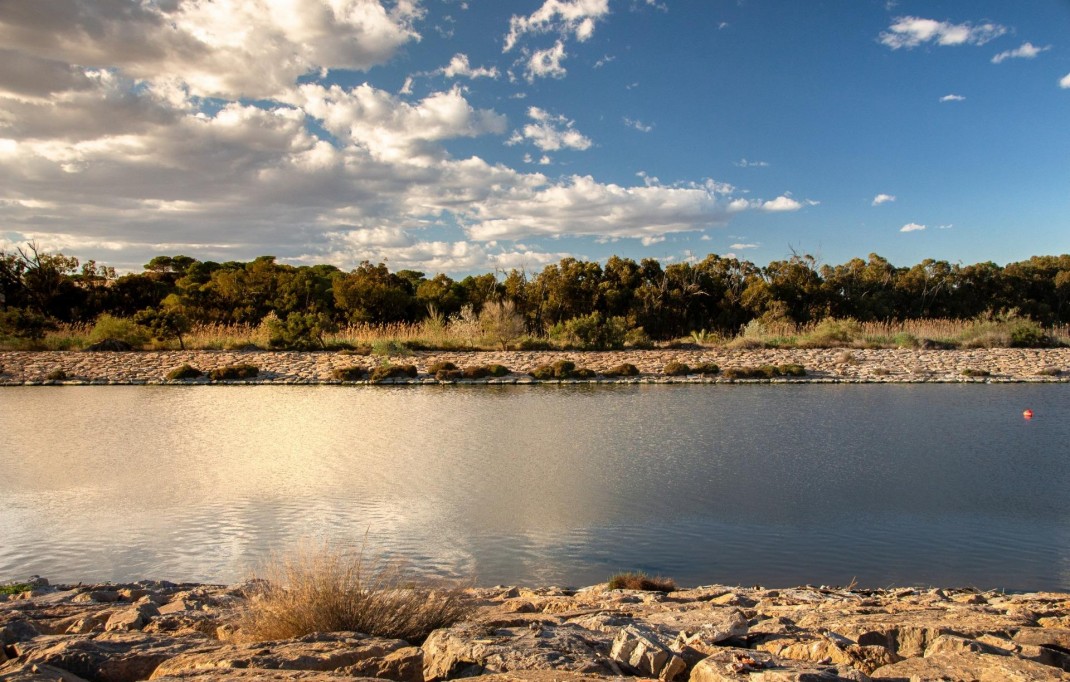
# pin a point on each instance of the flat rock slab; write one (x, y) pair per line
(260, 674)
(968, 666)
(745, 665)
(466, 650)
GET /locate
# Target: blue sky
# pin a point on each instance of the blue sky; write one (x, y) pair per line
(472, 135)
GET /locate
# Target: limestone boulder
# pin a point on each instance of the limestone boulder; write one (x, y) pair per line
(349, 652)
(472, 649)
(36, 672)
(261, 675)
(827, 648)
(745, 665)
(135, 617)
(968, 666)
(110, 656)
(637, 650)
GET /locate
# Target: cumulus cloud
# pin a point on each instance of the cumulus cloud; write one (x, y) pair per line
(576, 18)
(912, 227)
(910, 32)
(460, 68)
(215, 48)
(546, 63)
(638, 125)
(883, 199)
(1064, 83)
(550, 132)
(952, 98)
(785, 203)
(1026, 51)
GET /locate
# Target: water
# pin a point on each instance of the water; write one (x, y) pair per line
(775, 485)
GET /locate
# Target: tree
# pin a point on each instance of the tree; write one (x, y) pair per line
(164, 323)
(300, 331)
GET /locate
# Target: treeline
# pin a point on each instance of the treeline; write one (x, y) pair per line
(717, 294)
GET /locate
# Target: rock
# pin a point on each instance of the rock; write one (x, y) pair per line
(37, 672)
(104, 596)
(334, 651)
(403, 665)
(470, 649)
(133, 618)
(261, 675)
(828, 648)
(108, 657)
(697, 643)
(18, 630)
(638, 650)
(738, 665)
(968, 666)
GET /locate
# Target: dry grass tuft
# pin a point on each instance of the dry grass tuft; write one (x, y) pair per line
(641, 581)
(324, 589)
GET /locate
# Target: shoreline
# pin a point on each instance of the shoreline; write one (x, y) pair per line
(715, 633)
(823, 366)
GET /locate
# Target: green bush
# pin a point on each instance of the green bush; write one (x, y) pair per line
(233, 372)
(638, 338)
(676, 369)
(832, 332)
(391, 348)
(584, 373)
(357, 350)
(623, 370)
(592, 332)
(384, 372)
(498, 371)
(543, 372)
(186, 371)
(164, 324)
(350, 373)
(531, 343)
(436, 367)
(23, 323)
(562, 369)
(300, 331)
(449, 374)
(765, 372)
(707, 368)
(1027, 334)
(56, 375)
(109, 328)
(15, 588)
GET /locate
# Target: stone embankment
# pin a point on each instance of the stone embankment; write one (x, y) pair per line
(822, 365)
(165, 631)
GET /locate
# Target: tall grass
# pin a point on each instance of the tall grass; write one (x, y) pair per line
(325, 589)
(459, 333)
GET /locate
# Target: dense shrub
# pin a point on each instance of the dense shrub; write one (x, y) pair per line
(233, 372)
(357, 350)
(164, 324)
(592, 331)
(562, 369)
(350, 373)
(623, 370)
(973, 372)
(676, 369)
(327, 590)
(498, 371)
(1028, 334)
(706, 368)
(791, 370)
(384, 372)
(186, 371)
(436, 367)
(56, 375)
(391, 348)
(23, 323)
(765, 372)
(641, 581)
(531, 343)
(449, 374)
(119, 329)
(300, 331)
(832, 332)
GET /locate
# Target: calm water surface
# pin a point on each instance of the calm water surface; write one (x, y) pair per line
(778, 485)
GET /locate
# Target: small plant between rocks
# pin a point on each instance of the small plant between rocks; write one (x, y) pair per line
(676, 369)
(626, 369)
(765, 371)
(973, 372)
(15, 588)
(234, 372)
(328, 590)
(637, 580)
(385, 372)
(56, 375)
(186, 371)
(562, 369)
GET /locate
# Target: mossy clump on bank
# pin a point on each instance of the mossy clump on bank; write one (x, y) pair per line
(384, 372)
(974, 372)
(562, 369)
(15, 588)
(637, 580)
(186, 371)
(441, 365)
(234, 372)
(351, 373)
(56, 375)
(676, 369)
(1049, 372)
(706, 368)
(765, 371)
(625, 369)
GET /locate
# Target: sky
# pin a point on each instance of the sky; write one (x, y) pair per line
(473, 136)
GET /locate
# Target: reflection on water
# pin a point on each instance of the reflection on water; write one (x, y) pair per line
(743, 484)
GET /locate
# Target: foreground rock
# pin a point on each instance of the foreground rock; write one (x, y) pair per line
(163, 631)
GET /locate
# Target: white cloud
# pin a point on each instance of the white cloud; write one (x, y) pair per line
(909, 32)
(220, 48)
(883, 199)
(546, 63)
(638, 125)
(603, 61)
(911, 227)
(566, 17)
(1064, 83)
(1026, 51)
(952, 98)
(550, 133)
(781, 204)
(744, 163)
(945, 227)
(460, 68)
(740, 247)
(650, 240)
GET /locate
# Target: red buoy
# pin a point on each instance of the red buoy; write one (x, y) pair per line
(1028, 414)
